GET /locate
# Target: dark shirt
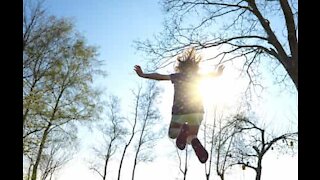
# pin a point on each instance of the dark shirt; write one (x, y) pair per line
(187, 98)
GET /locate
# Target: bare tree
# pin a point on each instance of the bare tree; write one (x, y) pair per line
(224, 143)
(209, 131)
(253, 142)
(148, 117)
(251, 30)
(219, 137)
(238, 140)
(112, 131)
(132, 131)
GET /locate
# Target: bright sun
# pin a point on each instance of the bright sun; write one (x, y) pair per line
(221, 91)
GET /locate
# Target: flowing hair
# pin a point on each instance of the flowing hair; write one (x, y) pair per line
(189, 60)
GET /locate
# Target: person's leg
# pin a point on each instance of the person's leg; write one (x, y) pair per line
(174, 130)
(193, 132)
(175, 126)
(200, 151)
(178, 130)
(182, 137)
(194, 122)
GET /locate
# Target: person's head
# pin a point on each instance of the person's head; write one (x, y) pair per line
(188, 62)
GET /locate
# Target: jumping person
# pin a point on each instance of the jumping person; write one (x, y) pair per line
(187, 109)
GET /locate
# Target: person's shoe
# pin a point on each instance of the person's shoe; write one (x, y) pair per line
(200, 151)
(182, 137)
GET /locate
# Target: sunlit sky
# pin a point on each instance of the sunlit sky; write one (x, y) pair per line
(113, 25)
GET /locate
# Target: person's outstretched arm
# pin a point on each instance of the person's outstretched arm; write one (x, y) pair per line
(216, 73)
(154, 76)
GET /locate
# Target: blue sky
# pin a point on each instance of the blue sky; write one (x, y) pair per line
(113, 25)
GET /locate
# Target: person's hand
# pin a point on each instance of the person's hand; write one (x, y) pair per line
(138, 70)
(220, 70)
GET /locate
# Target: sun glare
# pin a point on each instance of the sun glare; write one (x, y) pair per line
(221, 91)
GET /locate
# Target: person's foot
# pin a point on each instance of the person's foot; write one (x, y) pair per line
(200, 151)
(182, 137)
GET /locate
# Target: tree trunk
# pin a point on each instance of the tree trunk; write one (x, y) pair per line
(221, 175)
(106, 162)
(259, 169)
(44, 137)
(29, 171)
(289, 63)
(43, 141)
(105, 167)
(138, 150)
(25, 114)
(121, 161)
(185, 165)
(294, 71)
(135, 163)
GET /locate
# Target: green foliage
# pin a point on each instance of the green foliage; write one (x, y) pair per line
(58, 71)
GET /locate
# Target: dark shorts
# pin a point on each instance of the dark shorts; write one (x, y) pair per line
(193, 120)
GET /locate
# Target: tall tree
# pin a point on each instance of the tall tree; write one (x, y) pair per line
(209, 131)
(148, 117)
(133, 129)
(58, 70)
(219, 138)
(223, 141)
(112, 131)
(250, 30)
